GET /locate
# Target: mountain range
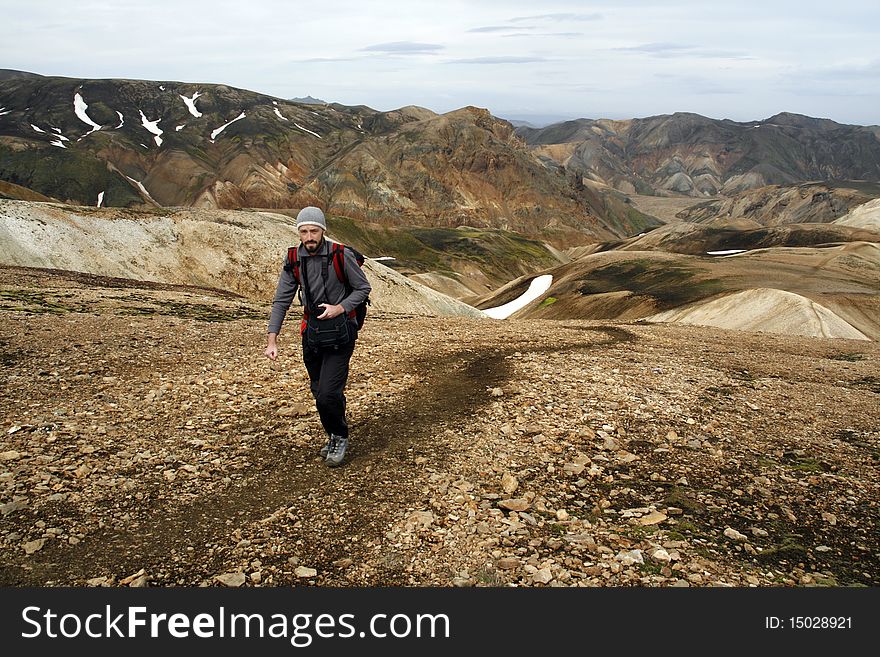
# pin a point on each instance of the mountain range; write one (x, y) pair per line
(689, 154)
(134, 142)
(463, 202)
(129, 142)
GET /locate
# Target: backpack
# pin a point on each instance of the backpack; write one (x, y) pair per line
(337, 254)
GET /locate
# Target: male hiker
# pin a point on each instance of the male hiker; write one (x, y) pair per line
(332, 286)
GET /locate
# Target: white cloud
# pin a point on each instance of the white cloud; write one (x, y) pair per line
(405, 48)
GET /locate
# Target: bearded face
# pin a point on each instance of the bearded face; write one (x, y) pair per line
(311, 237)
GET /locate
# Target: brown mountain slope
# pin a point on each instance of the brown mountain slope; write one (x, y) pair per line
(214, 146)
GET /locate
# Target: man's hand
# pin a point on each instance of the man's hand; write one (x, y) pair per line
(272, 348)
(330, 311)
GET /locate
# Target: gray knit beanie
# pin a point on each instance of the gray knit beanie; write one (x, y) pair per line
(311, 215)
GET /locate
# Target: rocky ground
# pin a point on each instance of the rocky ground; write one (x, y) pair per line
(146, 441)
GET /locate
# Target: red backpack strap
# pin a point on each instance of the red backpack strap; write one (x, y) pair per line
(339, 266)
(293, 260)
(339, 262)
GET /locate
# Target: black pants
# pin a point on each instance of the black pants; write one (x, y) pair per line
(328, 373)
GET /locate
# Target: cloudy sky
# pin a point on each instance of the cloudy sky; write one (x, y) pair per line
(742, 60)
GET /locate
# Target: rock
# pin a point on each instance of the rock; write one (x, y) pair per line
(497, 392)
(583, 539)
(514, 504)
(823, 548)
(420, 519)
(610, 445)
(96, 581)
(34, 546)
(653, 518)
(630, 558)
(462, 582)
(507, 563)
(295, 410)
(680, 583)
(573, 468)
(562, 515)
(9, 507)
(304, 572)
(734, 535)
(131, 578)
(509, 483)
(11, 455)
(343, 563)
(542, 576)
(757, 531)
(257, 577)
(139, 582)
(661, 556)
(232, 580)
(830, 518)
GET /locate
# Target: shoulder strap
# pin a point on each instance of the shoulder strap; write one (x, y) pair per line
(293, 261)
(339, 262)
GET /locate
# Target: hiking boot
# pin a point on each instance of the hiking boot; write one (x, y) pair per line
(327, 447)
(338, 445)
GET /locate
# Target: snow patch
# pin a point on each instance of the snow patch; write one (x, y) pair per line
(3, 111)
(307, 130)
(537, 287)
(100, 199)
(278, 114)
(383, 258)
(141, 187)
(37, 129)
(153, 127)
(58, 143)
(80, 107)
(161, 88)
(224, 126)
(191, 104)
(724, 253)
(121, 120)
(58, 130)
(179, 128)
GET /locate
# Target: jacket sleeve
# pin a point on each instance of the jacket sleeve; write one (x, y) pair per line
(357, 280)
(284, 295)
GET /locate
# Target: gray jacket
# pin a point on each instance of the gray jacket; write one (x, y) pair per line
(335, 293)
